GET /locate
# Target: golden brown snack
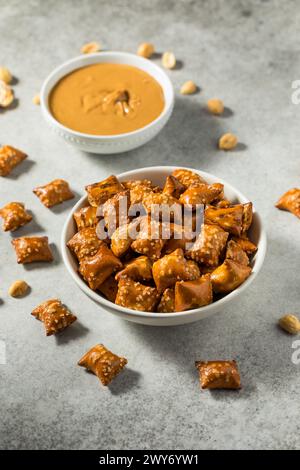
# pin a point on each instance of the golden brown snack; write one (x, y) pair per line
(132, 294)
(121, 241)
(209, 245)
(55, 316)
(188, 88)
(245, 244)
(218, 374)
(235, 252)
(84, 243)
(229, 218)
(167, 302)
(115, 210)
(290, 323)
(10, 157)
(109, 288)
(162, 199)
(222, 204)
(18, 288)
(99, 193)
(228, 141)
(14, 216)
(290, 201)
(53, 193)
(6, 94)
(90, 47)
(247, 216)
(131, 184)
(139, 269)
(180, 238)
(149, 240)
(146, 49)
(188, 177)
(193, 294)
(228, 276)
(215, 106)
(172, 268)
(103, 363)
(173, 187)
(86, 217)
(96, 269)
(31, 249)
(202, 194)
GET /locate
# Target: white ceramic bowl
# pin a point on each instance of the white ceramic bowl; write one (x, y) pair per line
(111, 143)
(157, 175)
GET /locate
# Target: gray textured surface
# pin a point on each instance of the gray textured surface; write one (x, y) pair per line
(246, 52)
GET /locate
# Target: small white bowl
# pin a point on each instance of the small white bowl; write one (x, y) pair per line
(157, 175)
(111, 143)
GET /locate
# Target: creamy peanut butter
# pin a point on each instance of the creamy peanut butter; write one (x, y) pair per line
(106, 99)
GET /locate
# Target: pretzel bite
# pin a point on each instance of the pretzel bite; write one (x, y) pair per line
(290, 201)
(167, 301)
(149, 240)
(99, 193)
(103, 363)
(188, 177)
(115, 210)
(218, 374)
(229, 218)
(10, 157)
(202, 194)
(193, 294)
(235, 253)
(86, 217)
(172, 268)
(14, 216)
(246, 245)
(134, 295)
(54, 193)
(138, 269)
(31, 249)
(173, 187)
(228, 276)
(109, 288)
(209, 245)
(96, 269)
(55, 316)
(84, 243)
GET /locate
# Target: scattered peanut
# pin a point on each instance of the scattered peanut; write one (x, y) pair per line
(228, 142)
(90, 47)
(6, 94)
(146, 49)
(168, 60)
(290, 323)
(5, 75)
(18, 288)
(188, 88)
(215, 106)
(36, 99)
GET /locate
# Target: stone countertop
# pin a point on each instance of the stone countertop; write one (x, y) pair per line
(247, 53)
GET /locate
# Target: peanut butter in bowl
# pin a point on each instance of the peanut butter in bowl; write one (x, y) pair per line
(106, 99)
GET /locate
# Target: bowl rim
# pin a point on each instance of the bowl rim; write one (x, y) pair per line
(260, 254)
(87, 57)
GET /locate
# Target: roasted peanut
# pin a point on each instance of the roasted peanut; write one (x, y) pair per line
(168, 60)
(90, 47)
(290, 323)
(228, 141)
(5, 75)
(18, 288)
(188, 88)
(215, 106)
(146, 49)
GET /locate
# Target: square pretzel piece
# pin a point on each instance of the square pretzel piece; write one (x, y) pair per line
(99, 193)
(86, 217)
(85, 243)
(193, 294)
(10, 157)
(31, 249)
(290, 201)
(218, 374)
(54, 193)
(209, 245)
(132, 294)
(14, 216)
(103, 363)
(55, 316)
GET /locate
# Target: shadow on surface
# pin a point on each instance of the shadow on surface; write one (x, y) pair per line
(23, 167)
(125, 381)
(66, 205)
(45, 264)
(29, 229)
(75, 331)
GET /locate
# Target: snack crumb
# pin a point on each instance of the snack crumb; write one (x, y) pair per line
(146, 49)
(90, 47)
(228, 141)
(215, 106)
(18, 288)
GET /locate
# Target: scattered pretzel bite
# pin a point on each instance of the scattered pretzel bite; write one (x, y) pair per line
(120, 240)
(188, 177)
(109, 288)
(202, 194)
(10, 157)
(218, 374)
(84, 243)
(133, 294)
(55, 316)
(115, 210)
(173, 187)
(14, 216)
(139, 269)
(290, 201)
(245, 244)
(54, 193)
(149, 240)
(229, 218)
(247, 216)
(228, 276)
(193, 294)
(97, 268)
(209, 245)
(172, 268)
(236, 253)
(99, 193)
(86, 217)
(103, 363)
(31, 249)
(167, 302)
